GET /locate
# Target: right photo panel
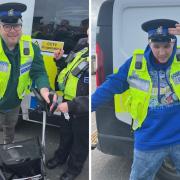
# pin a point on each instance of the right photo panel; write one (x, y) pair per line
(135, 90)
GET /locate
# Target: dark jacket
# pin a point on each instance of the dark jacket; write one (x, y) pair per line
(80, 104)
(37, 74)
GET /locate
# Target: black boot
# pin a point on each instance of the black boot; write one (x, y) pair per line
(62, 152)
(68, 176)
(54, 162)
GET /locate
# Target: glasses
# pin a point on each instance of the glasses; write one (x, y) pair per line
(8, 27)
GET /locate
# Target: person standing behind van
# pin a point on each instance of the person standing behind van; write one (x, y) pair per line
(152, 80)
(73, 80)
(20, 63)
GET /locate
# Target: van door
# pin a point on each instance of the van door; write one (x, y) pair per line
(54, 24)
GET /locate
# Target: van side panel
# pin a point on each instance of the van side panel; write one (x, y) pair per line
(114, 137)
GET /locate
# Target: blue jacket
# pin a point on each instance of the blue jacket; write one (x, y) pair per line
(161, 126)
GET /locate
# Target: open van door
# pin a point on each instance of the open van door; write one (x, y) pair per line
(52, 24)
(119, 33)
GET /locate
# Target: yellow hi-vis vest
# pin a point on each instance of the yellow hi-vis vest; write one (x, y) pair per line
(136, 99)
(66, 80)
(26, 58)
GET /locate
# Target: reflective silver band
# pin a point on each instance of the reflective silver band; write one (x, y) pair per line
(137, 83)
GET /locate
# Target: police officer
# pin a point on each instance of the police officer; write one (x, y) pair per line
(73, 80)
(151, 79)
(20, 63)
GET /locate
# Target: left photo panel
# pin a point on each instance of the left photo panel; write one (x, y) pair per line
(44, 89)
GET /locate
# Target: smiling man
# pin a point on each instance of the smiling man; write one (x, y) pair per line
(20, 63)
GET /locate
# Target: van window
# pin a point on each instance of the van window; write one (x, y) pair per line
(63, 20)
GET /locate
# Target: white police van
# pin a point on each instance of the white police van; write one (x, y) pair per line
(118, 35)
(52, 24)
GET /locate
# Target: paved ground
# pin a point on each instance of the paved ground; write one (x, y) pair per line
(106, 167)
(27, 130)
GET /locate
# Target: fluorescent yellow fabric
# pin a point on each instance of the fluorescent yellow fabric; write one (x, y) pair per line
(136, 99)
(66, 80)
(25, 64)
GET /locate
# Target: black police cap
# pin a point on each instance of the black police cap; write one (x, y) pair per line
(158, 29)
(11, 12)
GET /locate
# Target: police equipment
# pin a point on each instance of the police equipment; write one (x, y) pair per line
(157, 30)
(66, 115)
(11, 12)
(26, 159)
(43, 106)
(22, 160)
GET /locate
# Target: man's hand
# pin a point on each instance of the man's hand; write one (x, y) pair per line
(45, 94)
(58, 54)
(63, 107)
(175, 31)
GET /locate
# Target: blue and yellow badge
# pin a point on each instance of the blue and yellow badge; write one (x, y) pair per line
(11, 12)
(158, 30)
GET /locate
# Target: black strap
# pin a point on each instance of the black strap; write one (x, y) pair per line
(82, 67)
(70, 57)
(138, 63)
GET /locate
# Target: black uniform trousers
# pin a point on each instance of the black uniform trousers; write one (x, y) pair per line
(74, 142)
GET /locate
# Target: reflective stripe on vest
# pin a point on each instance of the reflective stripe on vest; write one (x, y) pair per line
(137, 98)
(66, 80)
(25, 65)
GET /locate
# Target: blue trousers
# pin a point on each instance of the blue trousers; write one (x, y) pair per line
(147, 163)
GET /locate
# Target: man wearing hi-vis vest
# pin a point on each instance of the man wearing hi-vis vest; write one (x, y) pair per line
(151, 78)
(73, 81)
(20, 64)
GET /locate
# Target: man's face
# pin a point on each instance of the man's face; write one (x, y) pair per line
(10, 33)
(162, 50)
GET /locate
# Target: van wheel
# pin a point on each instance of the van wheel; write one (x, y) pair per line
(167, 171)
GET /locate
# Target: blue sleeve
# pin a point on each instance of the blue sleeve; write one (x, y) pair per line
(115, 84)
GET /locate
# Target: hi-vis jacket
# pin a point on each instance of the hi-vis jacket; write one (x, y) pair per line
(69, 76)
(26, 58)
(136, 98)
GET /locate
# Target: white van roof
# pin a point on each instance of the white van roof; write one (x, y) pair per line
(128, 15)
